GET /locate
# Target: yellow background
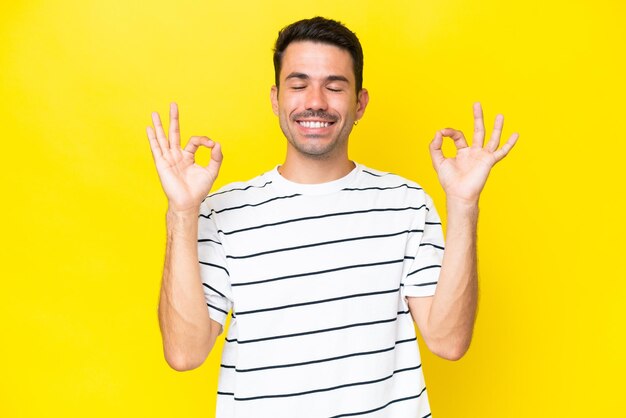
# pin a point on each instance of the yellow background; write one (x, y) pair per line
(83, 213)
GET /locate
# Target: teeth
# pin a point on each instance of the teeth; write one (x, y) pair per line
(311, 124)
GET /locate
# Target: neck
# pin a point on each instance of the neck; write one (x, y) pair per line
(306, 170)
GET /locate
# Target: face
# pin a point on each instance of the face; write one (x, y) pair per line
(316, 103)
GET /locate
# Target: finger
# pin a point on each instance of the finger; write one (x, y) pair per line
(154, 143)
(502, 152)
(196, 142)
(160, 133)
(457, 137)
(436, 154)
(479, 126)
(216, 159)
(174, 126)
(494, 142)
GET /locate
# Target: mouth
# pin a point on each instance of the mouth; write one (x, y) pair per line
(314, 124)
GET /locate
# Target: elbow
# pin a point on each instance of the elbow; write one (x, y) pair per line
(183, 360)
(451, 353)
(182, 363)
(183, 354)
(449, 349)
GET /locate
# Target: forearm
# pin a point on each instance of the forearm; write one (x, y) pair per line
(183, 317)
(453, 310)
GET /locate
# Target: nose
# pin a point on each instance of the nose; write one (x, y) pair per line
(316, 99)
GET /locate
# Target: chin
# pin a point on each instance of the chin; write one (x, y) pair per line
(320, 152)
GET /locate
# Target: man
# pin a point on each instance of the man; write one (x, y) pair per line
(324, 263)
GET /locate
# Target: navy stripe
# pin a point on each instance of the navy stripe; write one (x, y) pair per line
(214, 289)
(432, 223)
(308, 218)
(252, 205)
(313, 273)
(245, 188)
(381, 188)
(305, 363)
(225, 393)
(423, 284)
(308, 392)
(215, 265)
(423, 268)
(373, 174)
(316, 244)
(314, 302)
(432, 245)
(384, 406)
(317, 331)
(202, 215)
(216, 308)
(209, 240)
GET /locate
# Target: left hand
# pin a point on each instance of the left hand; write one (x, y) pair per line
(463, 176)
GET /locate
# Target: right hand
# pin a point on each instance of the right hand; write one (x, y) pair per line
(185, 183)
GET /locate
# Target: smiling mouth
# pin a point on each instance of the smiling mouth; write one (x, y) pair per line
(315, 124)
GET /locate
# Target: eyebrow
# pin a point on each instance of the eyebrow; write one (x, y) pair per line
(303, 76)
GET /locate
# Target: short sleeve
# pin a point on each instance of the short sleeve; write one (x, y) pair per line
(213, 266)
(426, 252)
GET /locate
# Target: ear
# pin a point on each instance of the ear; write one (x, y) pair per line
(274, 99)
(362, 101)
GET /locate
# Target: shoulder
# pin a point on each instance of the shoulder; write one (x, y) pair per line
(387, 180)
(394, 185)
(236, 192)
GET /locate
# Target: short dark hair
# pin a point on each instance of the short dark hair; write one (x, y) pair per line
(326, 31)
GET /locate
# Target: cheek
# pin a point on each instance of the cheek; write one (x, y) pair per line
(344, 107)
(287, 105)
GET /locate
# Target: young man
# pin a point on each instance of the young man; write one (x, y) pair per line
(324, 263)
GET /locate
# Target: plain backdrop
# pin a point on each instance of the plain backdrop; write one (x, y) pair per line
(83, 214)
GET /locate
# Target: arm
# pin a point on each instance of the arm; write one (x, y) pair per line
(187, 331)
(446, 320)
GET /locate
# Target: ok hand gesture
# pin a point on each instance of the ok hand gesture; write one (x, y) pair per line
(463, 177)
(185, 183)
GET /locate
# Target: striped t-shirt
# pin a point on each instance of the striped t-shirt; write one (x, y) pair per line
(316, 276)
